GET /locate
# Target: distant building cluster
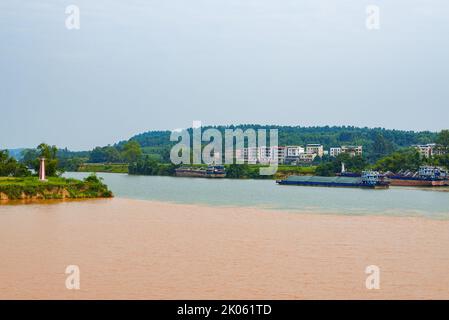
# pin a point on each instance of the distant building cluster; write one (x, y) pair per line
(291, 154)
(429, 150)
(351, 150)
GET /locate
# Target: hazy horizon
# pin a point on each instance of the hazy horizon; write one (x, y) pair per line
(204, 126)
(139, 66)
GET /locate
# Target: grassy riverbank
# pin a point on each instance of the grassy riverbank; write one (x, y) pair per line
(252, 171)
(104, 167)
(286, 170)
(30, 188)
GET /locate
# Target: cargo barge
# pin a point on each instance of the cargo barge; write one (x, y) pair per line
(202, 172)
(369, 180)
(427, 176)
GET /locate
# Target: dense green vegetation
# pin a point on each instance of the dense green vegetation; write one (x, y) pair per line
(333, 165)
(403, 159)
(245, 171)
(148, 153)
(54, 188)
(71, 160)
(148, 166)
(103, 167)
(31, 159)
(407, 159)
(10, 167)
(17, 182)
(128, 152)
(377, 142)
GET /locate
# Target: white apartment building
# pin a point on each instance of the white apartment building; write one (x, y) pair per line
(307, 157)
(268, 154)
(263, 155)
(351, 150)
(248, 155)
(294, 151)
(334, 152)
(317, 149)
(278, 154)
(427, 150)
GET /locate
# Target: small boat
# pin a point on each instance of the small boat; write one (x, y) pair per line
(368, 179)
(202, 172)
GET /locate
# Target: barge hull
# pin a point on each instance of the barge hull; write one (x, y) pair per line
(199, 175)
(418, 183)
(330, 184)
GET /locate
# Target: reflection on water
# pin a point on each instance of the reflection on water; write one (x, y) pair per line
(430, 202)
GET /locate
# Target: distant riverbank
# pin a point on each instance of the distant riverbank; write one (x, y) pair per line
(104, 167)
(248, 172)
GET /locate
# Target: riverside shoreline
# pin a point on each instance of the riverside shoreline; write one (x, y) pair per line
(136, 249)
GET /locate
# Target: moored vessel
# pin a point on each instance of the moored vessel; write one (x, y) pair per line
(202, 172)
(368, 179)
(427, 176)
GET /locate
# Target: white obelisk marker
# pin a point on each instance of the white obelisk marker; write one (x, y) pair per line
(42, 170)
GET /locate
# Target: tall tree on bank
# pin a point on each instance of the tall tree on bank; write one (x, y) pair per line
(31, 158)
(443, 140)
(354, 164)
(131, 151)
(51, 162)
(407, 159)
(106, 154)
(443, 146)
(10, 167)
(381, 147)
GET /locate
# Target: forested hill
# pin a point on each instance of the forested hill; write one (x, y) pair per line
(16, 153)
(376, 141)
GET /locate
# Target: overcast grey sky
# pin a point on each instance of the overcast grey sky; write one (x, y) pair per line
(139, 65)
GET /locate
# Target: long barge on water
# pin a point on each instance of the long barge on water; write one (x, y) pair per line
(368, 179)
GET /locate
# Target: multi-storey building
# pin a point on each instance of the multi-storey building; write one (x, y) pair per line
(278, 154)
(334, 152)
(438, 151)
(351, 150)
(248, 155)
(317, 149)
(429, 150)
(307, 157)
(293, 153)
(263, 155)
(426, 150)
